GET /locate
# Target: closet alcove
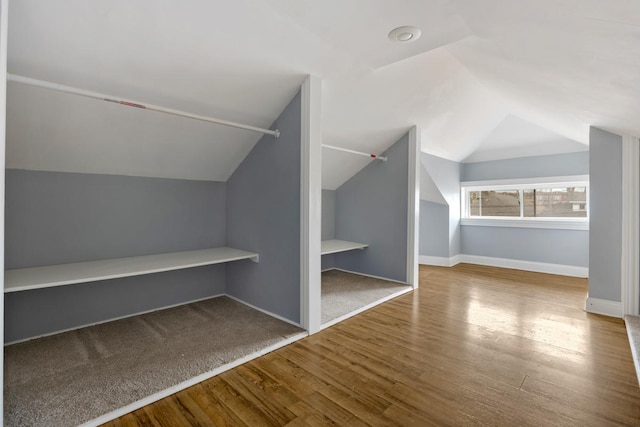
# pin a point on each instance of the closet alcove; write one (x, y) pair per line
(366, 232)
(120, 290)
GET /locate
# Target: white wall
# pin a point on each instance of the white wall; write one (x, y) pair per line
(3, 104)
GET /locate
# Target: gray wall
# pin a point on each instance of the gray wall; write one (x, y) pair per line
(328, 225)
(446, 176)
(263, 215)
(605, 215)
(434, 230)
(372, 208)
(328, 214)
(528, 167)
(43, 311)
(563, 247)
(55, 218)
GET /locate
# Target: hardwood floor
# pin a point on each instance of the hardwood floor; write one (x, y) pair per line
(473, 346)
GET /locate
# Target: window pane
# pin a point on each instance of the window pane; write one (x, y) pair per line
(570, 202)
(499, 203)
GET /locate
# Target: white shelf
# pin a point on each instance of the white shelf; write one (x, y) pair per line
(333, 246)
(23, 279)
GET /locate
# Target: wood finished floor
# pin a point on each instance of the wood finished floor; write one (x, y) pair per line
(473, 346)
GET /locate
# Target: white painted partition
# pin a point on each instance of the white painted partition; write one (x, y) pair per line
(3, 127)
(311, 205)
(413, 210)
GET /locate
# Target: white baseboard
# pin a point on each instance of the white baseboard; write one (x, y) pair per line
(372, 276)
(365, 308)
(284, 319)
(113, 319)
(139, 313)
(538, 267)
(634, 348)
(604, 307)
(439, 261)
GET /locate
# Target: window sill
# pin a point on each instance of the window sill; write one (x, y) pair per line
(558, 224)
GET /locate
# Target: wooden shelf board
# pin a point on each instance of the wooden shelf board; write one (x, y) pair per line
(333, 246)
(23, 279)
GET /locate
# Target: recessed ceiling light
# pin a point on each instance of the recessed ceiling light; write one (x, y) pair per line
(405, 34)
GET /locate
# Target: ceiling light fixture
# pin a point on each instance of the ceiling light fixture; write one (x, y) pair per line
(405, 34)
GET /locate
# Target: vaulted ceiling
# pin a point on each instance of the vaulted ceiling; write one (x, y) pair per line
(559, 65)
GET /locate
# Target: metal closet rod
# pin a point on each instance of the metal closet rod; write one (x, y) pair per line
(128, 103)
(360, 153)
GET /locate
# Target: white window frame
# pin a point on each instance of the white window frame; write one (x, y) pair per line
(520, 185)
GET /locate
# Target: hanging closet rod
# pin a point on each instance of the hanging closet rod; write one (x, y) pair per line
(346, 150)
(109, 98)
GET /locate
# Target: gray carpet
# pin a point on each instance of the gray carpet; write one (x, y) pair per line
(76, 376)
(343, 293)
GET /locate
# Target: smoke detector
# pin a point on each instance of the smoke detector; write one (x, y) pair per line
(405, 34)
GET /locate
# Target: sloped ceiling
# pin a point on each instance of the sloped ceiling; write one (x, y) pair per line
(515, 137)
(562, 65)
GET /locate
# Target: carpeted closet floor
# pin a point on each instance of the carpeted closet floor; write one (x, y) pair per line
(343, 293)
(76, 376)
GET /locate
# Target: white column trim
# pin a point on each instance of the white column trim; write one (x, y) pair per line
(630, 278)
(4, 10)
(310, 204)
(413, 208)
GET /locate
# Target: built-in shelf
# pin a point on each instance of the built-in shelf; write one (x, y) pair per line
(23, 279)
(333, 246)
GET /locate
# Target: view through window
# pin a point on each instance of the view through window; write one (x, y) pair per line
(529, 202)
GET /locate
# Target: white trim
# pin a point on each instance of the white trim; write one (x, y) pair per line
(538, 267)
(630, 276)
(552, 224)
(191, 382)
(440, 261)
(413, 208)
(365, 308)
(569, 223)
(140, 313)
(372, 276)
(4, 8)
(277, 316)
(311, 204)
(520, 182)
(604, 307)
(634, 351)
(113, 319)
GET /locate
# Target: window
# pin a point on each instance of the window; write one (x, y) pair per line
(539, 203)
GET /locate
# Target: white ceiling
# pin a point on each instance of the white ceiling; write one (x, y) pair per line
(561, 65)
(515, 137)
